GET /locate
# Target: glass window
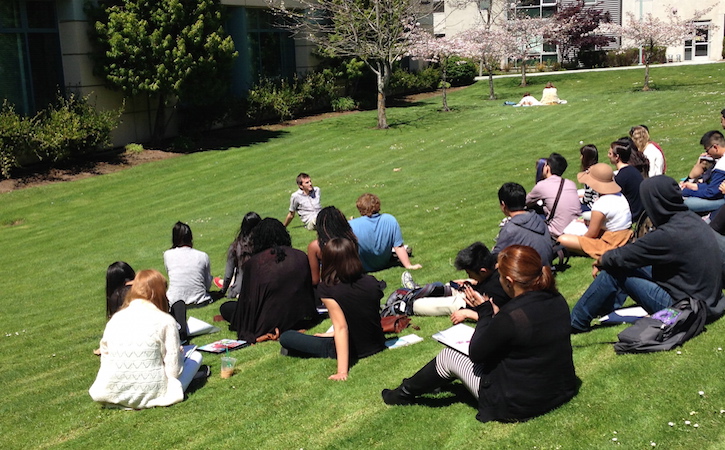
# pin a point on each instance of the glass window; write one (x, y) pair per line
(41, 14)
(31, 70)
(9, 14)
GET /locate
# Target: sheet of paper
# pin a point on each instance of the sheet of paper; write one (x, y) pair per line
(403, 341)
(457, 337)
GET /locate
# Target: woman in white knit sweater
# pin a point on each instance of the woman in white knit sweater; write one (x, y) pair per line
(142, 364)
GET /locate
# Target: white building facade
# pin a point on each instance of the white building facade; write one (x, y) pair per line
(452, 17)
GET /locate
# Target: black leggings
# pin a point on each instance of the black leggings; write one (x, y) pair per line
(178, 310)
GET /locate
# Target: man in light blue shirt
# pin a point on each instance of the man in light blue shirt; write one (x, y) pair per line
(378, 236)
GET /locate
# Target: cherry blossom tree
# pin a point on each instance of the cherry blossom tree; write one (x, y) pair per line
(490, 46)
(527, 35)
(575, 26)
(650, 32)
(439, 50)
(376, 32)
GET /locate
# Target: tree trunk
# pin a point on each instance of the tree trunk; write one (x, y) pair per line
(646, 77)
(523, 72)
(444, 83)
(383, 76)
(491, 95)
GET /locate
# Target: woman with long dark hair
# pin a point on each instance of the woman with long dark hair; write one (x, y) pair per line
(142, 365)
(239, 252)
(276, 294)
(519, 363)
(353, 301)
(119, 276)
(331, 223)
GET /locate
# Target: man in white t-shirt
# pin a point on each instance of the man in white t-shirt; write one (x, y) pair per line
(305, 202)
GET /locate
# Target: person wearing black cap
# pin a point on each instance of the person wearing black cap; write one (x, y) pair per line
(677, 260)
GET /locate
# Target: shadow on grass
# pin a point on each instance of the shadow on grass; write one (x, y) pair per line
(449, 394)
(233, 137)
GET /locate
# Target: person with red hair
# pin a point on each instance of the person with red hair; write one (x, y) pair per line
(519, 364)
(142, 364)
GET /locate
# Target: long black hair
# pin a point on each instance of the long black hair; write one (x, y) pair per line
(331, 223)
(117, 275)
(271, 234)
(181, 235)
(242, 244)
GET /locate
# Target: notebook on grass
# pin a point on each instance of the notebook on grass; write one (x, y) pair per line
(223, 345)
(456, 337)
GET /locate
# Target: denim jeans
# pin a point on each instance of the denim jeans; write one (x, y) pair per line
(307, 345)
(703, 205)
(611, 288)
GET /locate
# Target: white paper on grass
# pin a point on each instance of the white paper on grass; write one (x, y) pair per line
(197, 327)
(458, 337)
(403, 341)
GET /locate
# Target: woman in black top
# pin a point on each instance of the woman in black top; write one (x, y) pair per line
(520, 358)
(353, 302)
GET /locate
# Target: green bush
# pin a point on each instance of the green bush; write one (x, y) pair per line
(405, 82)
(460, 71)
(287, 98)
(344, 104)
(71, 127)
(630, 57)
(593, 58)
(14, 132)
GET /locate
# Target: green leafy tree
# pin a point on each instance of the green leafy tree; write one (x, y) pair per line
(168, 49)
(376, 32)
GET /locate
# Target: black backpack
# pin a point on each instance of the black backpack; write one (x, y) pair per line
(665, 329)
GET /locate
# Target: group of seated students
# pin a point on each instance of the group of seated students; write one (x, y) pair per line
(520, 361)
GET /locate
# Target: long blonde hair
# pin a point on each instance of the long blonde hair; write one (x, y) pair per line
(149, 285)
(640, 137)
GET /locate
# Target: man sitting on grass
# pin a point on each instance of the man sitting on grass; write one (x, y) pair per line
(706, 197)
(378, 236)
(678, 260)
(524, 227)
(557, 194)
(305, 201)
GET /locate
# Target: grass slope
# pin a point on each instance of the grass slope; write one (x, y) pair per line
(57, 241)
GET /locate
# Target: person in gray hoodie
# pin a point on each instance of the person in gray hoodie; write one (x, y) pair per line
(524, 227)
(677, 260)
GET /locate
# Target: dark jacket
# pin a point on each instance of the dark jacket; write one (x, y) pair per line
(524, 357)
(274, 294)
(527, 229)
(685, 258)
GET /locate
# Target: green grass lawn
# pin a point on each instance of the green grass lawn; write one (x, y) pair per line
(57, 240)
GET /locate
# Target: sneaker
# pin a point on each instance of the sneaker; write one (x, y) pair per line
(407, 280)
(218, 282)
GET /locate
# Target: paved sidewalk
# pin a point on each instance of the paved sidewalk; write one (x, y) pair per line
(604, 69)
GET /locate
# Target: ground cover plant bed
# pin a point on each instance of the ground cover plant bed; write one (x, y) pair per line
(438, 173)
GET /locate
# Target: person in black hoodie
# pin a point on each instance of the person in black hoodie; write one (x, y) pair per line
(519, 364)
(678, 260)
